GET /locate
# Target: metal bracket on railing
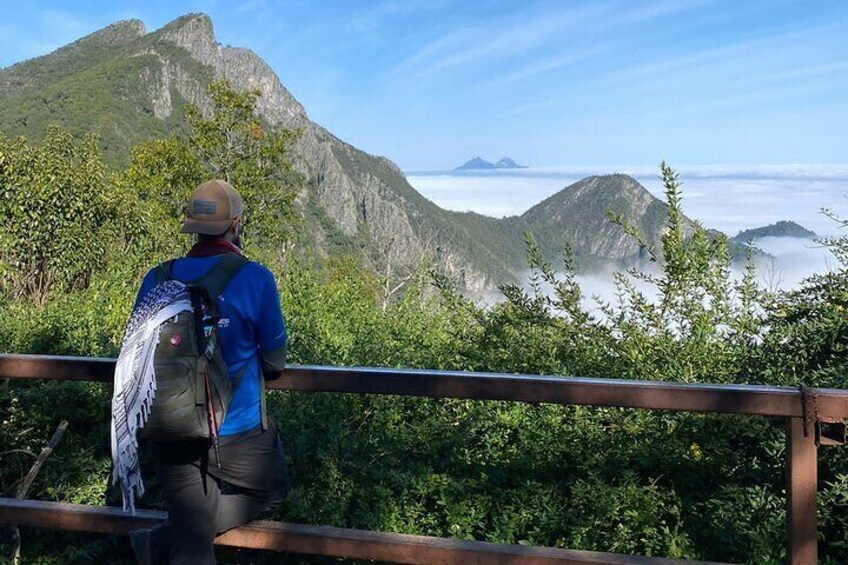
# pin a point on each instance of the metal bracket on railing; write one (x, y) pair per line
(828, 431)
(809, 410)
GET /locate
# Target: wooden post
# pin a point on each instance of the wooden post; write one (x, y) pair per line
(801, 487)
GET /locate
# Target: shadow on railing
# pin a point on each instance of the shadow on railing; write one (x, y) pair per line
(813, 416)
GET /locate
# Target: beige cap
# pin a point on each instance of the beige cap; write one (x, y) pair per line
(212, 208)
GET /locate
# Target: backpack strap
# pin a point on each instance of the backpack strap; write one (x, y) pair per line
(263, 409)
(163, 271)
(214, 282)
(219, 276)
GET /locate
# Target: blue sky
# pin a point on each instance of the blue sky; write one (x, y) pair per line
(550, 83)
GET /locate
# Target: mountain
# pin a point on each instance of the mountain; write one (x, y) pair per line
(110, 82)
(577, 216)
(479, 164)
(130, 85)
(476, 164)
(782, 228)
(507, 163)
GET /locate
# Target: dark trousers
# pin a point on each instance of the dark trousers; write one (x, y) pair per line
(205, 500)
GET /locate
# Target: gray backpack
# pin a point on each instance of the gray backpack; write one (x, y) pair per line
(193, 387)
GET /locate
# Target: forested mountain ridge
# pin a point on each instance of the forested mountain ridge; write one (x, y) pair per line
(131, 86)
(578, 216)
(782, 228)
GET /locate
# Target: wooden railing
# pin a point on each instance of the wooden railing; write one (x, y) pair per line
(813, 416)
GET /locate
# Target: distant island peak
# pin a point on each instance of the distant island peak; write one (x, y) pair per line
(480, 164)
(782, 228)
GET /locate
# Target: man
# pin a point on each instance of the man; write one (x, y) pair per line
(209, 493)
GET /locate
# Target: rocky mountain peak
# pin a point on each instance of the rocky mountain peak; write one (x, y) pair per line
(196, 22)
(508, 163)
(242, 67)
(577, 216)
(195, 34)
(480, 163)
(599, 187)
(475, 163)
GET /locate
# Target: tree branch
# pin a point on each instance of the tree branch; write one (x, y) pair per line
(30, 477)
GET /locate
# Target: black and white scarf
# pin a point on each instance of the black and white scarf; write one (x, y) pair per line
(135, 382)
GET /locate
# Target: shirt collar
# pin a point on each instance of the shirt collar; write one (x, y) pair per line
(210, 247)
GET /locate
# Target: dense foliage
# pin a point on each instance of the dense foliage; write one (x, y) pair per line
(679, 485)
(56, 211)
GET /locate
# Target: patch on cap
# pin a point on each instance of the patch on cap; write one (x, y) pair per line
(204, 207)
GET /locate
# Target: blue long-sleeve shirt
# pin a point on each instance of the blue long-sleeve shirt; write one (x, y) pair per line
(251, 329)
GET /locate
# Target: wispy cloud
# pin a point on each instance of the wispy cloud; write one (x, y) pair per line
(471, 45)
(643, 13)
(595, 80)
(752, 75)
(736, 53)
(252, 6)
(386, 12)
(532, 107)
(743, 100)
(587, 27)
(555, 63)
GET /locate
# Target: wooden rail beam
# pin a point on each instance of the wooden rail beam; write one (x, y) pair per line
(319, 540)
(804, 409)
(829, 404)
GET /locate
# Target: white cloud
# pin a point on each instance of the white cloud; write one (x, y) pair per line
(792, 262)
(642, 13)
(387, 11)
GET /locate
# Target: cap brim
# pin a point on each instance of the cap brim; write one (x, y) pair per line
(205, 227)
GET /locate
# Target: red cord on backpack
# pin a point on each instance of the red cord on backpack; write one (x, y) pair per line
(213, 421)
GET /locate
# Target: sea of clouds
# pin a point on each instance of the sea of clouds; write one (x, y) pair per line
(729, 199)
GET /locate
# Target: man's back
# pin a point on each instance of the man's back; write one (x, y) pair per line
(250, 326)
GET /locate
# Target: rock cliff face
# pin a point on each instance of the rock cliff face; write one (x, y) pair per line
(242, 67)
